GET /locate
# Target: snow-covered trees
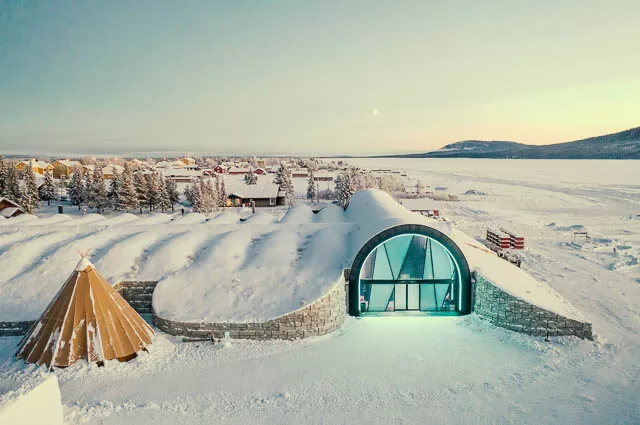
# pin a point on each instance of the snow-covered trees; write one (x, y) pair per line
(346, 187)
(222, 192)
(115, 191)
(250, 177)
(419, 187)
(48, 188)
(164, 200)
(3, 177)
(312, 190)
(203, 196)
(140, 184)
(283, 178)
(172, 192)
(30, 198)
(76, 190)
(128, 194)
(153, 189)
(96, 190)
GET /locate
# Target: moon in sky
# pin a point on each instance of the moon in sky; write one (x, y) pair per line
(375, 111)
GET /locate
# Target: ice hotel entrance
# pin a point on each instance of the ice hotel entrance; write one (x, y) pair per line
(416, 270)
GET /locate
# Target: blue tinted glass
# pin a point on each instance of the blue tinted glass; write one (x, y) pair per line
(396, 249)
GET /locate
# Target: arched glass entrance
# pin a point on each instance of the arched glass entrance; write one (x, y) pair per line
(409, 272)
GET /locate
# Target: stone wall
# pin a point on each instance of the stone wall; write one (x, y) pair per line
(322, 317)
(139, 294)
(507, 311)
(15, 328)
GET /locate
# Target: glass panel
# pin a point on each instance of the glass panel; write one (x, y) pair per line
(442, 290)
(441, 262)
(400, 296)
(427, 297)
(413, 265)
(381, 268)
(396, 249)
(413, 296)
(381, 296)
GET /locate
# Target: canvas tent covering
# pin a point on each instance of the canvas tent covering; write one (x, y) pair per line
(88, 320)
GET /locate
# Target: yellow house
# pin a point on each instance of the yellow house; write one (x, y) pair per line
(190, 162)
(63, 168)
(39, 167)
(107, 172)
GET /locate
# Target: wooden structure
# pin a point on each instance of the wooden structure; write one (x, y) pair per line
(517, 242)
(9, 209)
(498, 238)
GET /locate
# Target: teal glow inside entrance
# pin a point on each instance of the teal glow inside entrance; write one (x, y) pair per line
(410, 273)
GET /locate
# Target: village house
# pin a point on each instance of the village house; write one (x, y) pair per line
(9, 208)
(109, 170)
(63, 168)
(264, 194)
(39, 167)
(220, 169)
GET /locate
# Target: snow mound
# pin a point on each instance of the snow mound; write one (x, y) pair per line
(226, 217)
(52, 219)
(331, 214)
(87, 219)
(192, 218)
(300, 214)
(122, 218)
(155, 218)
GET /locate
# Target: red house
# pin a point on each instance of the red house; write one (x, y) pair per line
(219, 169)
(259, 171)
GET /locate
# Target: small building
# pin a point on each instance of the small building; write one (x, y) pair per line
(264, 193)
(300, 173)
(39, 167)
(220, 169)
(259, 171)
(109, 170)
(9, 209)
(424, 206)
(63, 168)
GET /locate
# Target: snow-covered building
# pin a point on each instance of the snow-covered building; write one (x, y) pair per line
(283, 273)
(109, 170)
(39, 167)
(63, 168)
(238, 170)
(9, 208)
(264, 193)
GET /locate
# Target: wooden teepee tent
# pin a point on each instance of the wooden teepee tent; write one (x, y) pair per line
(88, 320)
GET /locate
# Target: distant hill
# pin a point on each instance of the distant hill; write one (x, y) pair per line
(622, 145)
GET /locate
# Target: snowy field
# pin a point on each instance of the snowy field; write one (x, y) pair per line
(453, 370)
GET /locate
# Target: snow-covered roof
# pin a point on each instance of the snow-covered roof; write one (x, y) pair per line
(235, 266)
(110, 169)
(8, 212)
(264, 188)
(35, 163)
(68, 163)
(239, 170)
(374, 211)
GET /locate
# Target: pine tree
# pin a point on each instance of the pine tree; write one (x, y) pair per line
(222, 193)
(77, 192)
(129, 196)
(312, 191)
(30, 197)
(98, 196)
(172, 192)
(188, 193)
(140, 183)
(250, 178)
(115, 191)
(209, 198)
(48, 188)
(153, 190)
(284, 179)
(88, 187)
(346, 189)
(3, 177)
(419, 187)
(164, 200)
(196, 196)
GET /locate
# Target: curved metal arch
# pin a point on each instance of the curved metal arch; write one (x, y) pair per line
(417, 229)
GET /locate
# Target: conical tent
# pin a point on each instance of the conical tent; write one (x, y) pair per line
(87, 319)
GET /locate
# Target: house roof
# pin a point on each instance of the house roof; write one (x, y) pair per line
(68, 163)
(9, 212)
(419, 204)
(238, 170)
(263, 189)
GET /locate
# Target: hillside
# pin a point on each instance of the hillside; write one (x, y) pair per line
(622, 145)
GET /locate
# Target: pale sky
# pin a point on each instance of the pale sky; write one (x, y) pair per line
(344, 76)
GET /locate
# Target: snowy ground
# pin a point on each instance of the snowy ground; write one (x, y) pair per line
(454, 370)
